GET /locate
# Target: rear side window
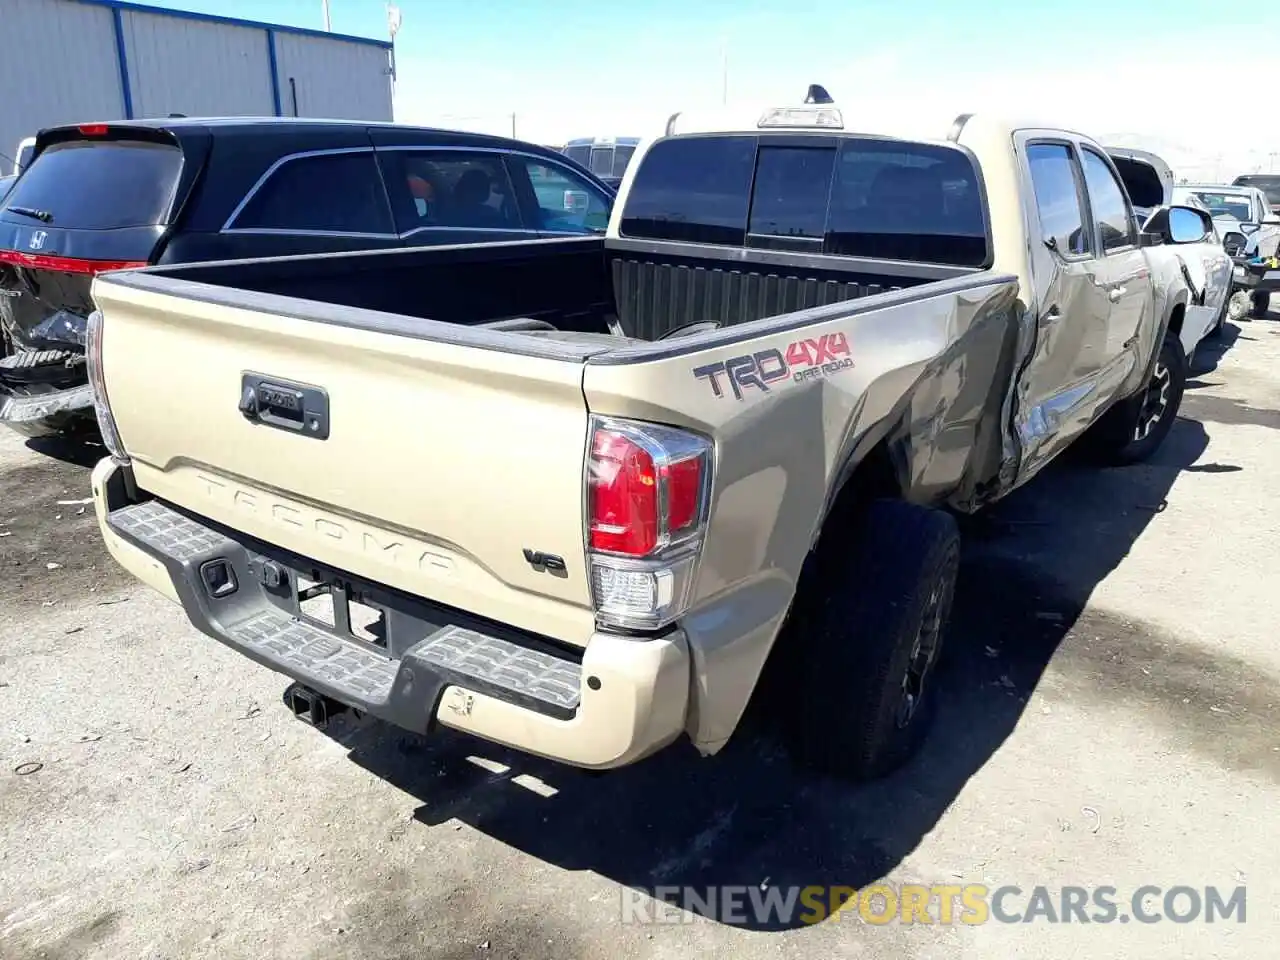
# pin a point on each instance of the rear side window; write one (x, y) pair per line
(331, 193)
(100, 184)
(1058, 198)
(891, 200)
(450, 189)
(695, 189)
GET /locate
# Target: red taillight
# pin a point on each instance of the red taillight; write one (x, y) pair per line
(66, 264)
(93, 129)
(648, 490)
(684, 494)
(641, 494)
(623, 496)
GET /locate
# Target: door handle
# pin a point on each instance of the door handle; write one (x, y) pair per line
(1115, 293)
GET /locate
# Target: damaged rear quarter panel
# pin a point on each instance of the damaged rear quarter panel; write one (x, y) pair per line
(791, 409)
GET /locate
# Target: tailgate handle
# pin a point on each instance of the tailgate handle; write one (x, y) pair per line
(285, 405)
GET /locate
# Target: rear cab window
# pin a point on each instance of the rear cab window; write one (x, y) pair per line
(848, 196)
(98, 185)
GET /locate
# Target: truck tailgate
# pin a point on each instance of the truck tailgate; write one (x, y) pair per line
(442, 463)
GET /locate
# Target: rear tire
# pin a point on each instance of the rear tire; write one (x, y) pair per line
(1134, 428)
(864, 640)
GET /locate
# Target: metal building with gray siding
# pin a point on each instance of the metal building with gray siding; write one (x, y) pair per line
(67, 61)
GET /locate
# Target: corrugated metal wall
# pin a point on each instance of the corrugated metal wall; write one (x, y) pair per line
(333, 79)
(180, 65)
(60, 63)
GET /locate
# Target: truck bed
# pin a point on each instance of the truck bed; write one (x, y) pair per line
(641, 291)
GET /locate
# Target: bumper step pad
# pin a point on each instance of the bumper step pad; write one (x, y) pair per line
(403, 691)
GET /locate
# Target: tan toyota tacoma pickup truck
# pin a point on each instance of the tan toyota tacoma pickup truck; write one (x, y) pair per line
(573, 495)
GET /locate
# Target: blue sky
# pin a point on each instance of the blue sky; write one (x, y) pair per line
(576, 68)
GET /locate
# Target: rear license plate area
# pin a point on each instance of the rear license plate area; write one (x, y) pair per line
(342, 607)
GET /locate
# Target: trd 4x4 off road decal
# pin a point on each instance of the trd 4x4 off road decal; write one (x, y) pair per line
(801, 360)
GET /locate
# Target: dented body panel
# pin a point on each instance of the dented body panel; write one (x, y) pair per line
(926, 377)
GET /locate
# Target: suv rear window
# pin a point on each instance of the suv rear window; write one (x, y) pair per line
(100, 184)
(884, 199)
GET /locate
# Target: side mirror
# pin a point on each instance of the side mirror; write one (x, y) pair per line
(1234, 243)
(1179, 225)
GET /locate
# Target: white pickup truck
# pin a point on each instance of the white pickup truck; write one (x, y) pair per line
(1206, 266)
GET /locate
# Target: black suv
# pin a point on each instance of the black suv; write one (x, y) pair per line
(107, 196)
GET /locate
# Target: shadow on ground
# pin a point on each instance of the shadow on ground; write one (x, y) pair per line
(1211, 350)
(746, 817)
(84, 449)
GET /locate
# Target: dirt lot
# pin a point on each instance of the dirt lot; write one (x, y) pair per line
(1111, 716)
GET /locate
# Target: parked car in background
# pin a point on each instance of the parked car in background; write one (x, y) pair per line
(1250, 229)
(736, 425)
(606, 157)
(1248, 205)
(1268, 183)
(103, 196)
(1205, 266)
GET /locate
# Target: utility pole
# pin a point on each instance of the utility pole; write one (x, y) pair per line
(394, 20)
(513, 127)
(328, 25)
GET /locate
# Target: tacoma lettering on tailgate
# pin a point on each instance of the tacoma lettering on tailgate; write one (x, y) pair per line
(807, 359)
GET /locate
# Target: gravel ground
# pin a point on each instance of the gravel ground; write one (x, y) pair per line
(1110, 716)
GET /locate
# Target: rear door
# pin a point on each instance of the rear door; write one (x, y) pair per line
(95, 198)
(1060, 385)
